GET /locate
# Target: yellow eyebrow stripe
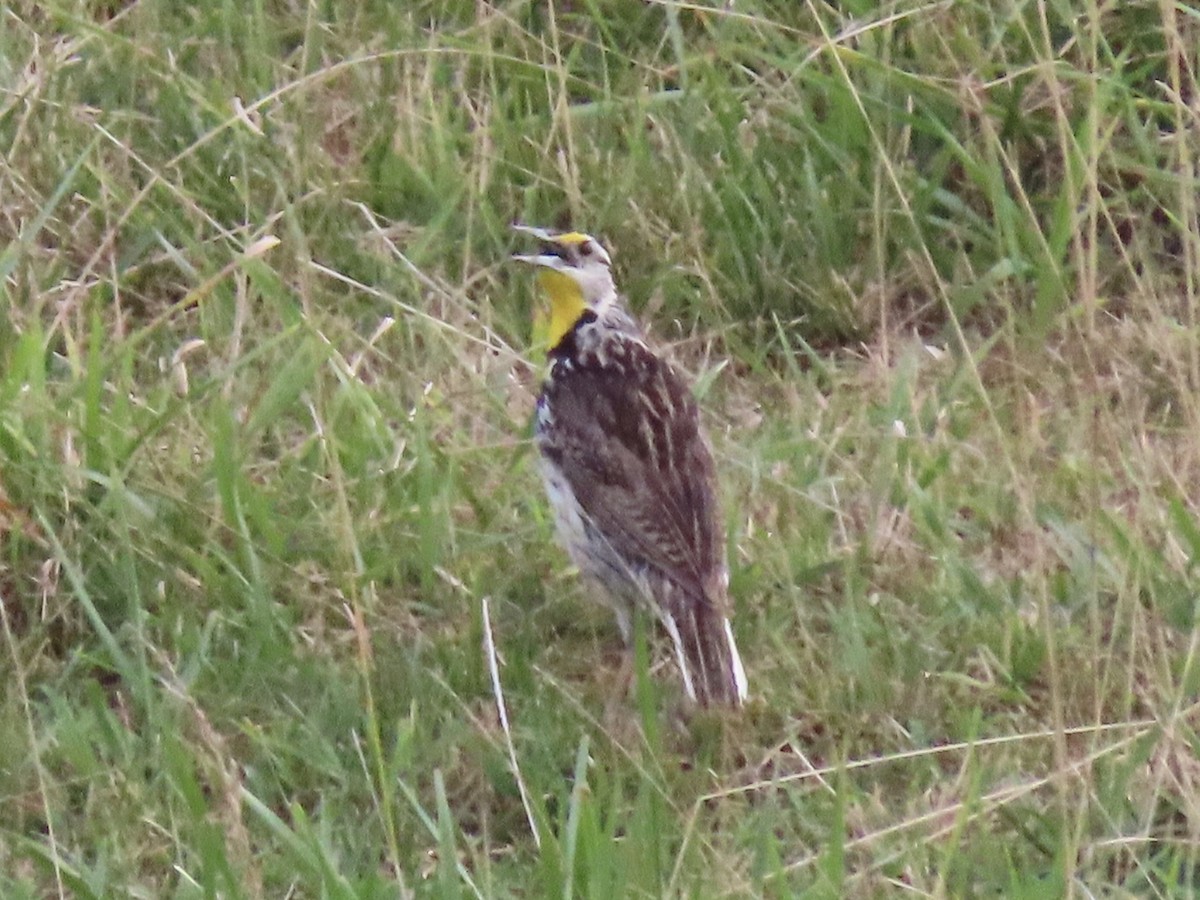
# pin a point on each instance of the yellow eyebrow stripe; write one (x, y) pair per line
(572, 237)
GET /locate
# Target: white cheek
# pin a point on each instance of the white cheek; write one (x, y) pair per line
(596, 284)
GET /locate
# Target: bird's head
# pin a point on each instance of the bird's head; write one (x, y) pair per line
(575, 271)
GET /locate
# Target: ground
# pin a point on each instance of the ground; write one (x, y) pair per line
(282, 610)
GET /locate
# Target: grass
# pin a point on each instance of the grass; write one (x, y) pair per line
(275, 549)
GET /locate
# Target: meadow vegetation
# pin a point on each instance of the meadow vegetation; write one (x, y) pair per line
(274, 546)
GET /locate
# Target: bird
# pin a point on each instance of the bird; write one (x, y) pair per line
(628, 469)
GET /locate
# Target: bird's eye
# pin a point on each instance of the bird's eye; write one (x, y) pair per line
(585, 249)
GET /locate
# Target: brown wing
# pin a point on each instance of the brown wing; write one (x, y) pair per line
(627, 437)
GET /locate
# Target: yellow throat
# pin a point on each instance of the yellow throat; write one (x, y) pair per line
(566, 304)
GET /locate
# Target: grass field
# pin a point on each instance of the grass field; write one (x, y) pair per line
(274, 546)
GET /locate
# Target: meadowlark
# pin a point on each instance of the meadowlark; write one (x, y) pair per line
(628, 470)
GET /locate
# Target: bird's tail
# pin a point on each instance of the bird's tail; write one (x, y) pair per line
(713, 674)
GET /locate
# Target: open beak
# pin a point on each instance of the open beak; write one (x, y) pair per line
(550, 257)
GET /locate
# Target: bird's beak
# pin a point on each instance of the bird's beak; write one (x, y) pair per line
(542, 234)
(549, 257)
